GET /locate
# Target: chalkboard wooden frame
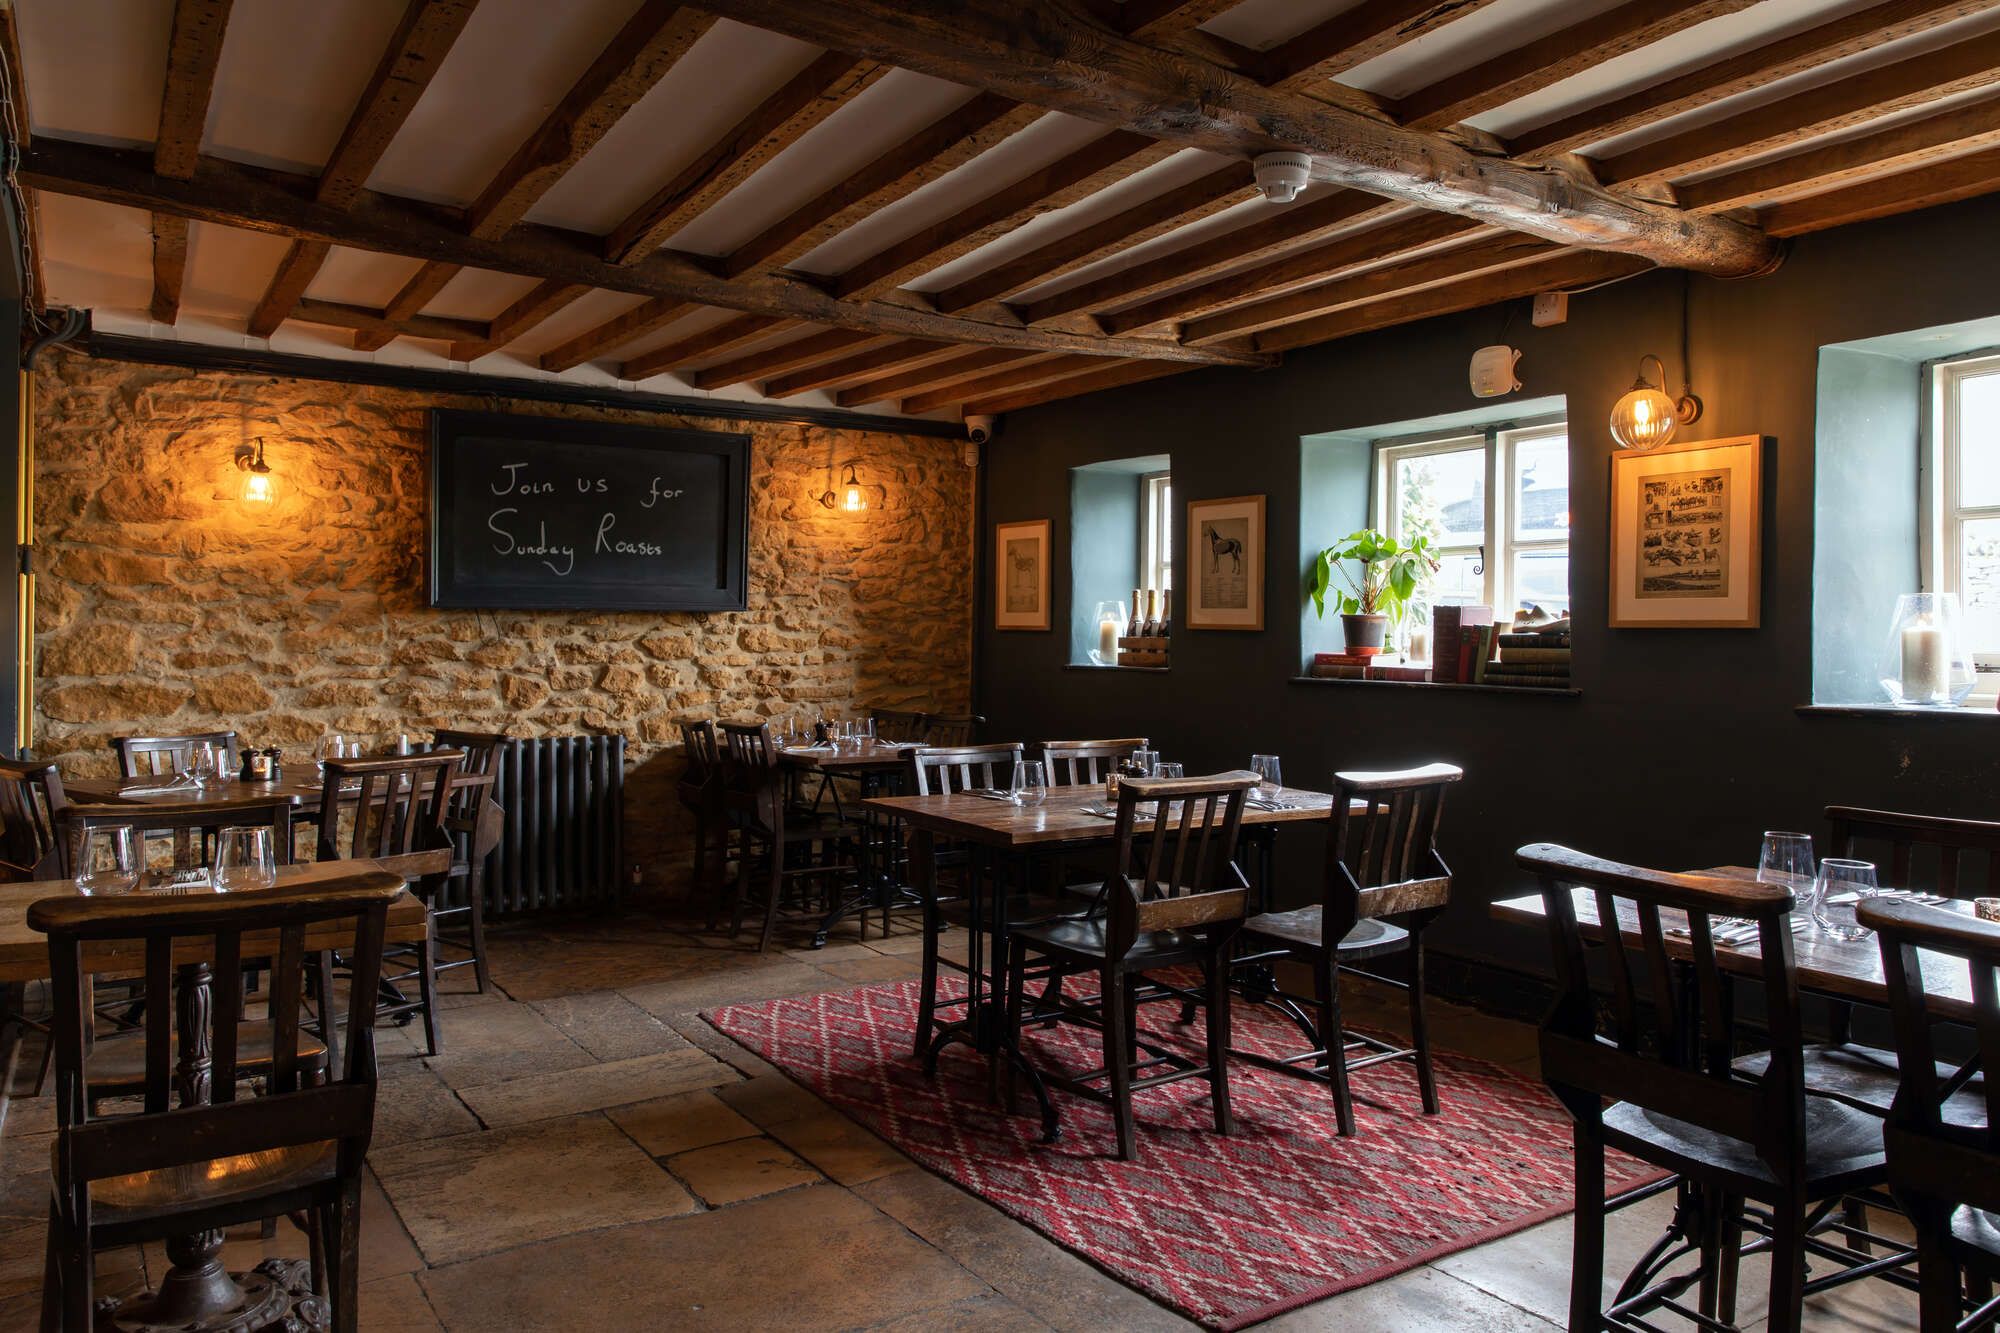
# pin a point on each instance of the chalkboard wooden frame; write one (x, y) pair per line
(452, 588)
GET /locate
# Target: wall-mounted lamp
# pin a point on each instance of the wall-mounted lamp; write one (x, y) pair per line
(1645, 418)
(848, 497)
(256, 473)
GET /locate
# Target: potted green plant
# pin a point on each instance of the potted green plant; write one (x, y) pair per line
(1391, 574)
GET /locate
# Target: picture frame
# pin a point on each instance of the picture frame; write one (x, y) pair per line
(1225, 564)
(1687, 535)
(1021, 575)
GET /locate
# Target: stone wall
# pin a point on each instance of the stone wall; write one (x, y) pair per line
(166, 605)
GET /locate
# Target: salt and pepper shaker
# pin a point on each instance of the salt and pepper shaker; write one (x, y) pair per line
(274, 765)
(403, 744)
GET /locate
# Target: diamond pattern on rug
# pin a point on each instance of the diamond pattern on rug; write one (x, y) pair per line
(1226, 1231)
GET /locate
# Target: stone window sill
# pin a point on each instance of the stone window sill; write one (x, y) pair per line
(1435, 685)
(1973, 710)
(1092, 666)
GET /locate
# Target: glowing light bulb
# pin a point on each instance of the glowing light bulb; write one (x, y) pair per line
(1644, 418)
(853, 503)
(257, 488)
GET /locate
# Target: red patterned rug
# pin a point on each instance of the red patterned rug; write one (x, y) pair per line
(1227, 1231)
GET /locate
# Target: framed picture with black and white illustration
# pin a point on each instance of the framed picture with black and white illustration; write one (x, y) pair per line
(1021, 575)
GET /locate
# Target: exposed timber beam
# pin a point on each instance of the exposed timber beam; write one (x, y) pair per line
(1355, 36)
(849, 369)
(413, 296)
(1020, 374)
(1943, 183)
(288, 286)
(361, 317)
(170, 253)
(194, 48)
(642, 319)
(830, 82)
(1113, 376)
(724, 337)
(1150, 18)
(537, 304)
(1044, 52)
(786, 356)
(967, 366)
(233, 195)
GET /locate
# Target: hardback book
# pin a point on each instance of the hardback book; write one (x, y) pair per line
(1534, 640)
(1446, 623)
(1524, 655)
(1513, 668)
(1339, 671)
(1399, 671)
(1339, 659)
(1522, 681)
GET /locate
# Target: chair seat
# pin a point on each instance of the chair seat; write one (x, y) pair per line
(1977, 1231)
(162, 1192)
(120, 1062)
(1024, 910)
(1843, 1145)
(1304, 930)
(1085, 939)
(1865, 1078)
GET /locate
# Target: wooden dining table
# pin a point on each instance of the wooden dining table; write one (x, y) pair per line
(877, 767)
(1003, 837)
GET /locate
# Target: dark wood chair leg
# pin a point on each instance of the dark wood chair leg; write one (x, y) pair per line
(346, 1293)
(475, 901)
(927, 990)
(52, 1288)
(1420, 1039)
(1216, 968)
(1327, 988)
(742, 895)
(427, 990)
(1017, 967)
(1788, 1266)
(1586, 1268)
(774, 899)
(1117, 1061)
(1730, 1260)
(76, 1261)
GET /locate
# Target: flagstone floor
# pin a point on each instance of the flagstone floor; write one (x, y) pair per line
(587, 1153)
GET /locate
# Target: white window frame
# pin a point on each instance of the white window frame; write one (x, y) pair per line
(1498, 552)
(1156, 530)
(1943, 518)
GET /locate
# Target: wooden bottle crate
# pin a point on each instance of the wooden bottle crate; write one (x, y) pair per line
(1143, 651)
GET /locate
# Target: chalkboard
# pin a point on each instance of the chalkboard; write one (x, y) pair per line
(539, 513)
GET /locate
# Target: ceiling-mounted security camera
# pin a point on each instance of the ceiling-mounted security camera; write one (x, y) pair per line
(1280, 176)
(979, 428)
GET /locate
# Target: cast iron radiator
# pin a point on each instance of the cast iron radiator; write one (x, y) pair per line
(563, 840)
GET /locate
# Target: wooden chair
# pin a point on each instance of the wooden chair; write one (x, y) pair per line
(1679, 1099)
(474, 822)
(796, 846)
(201, 1168)
(700, 791)
(1944, 1158)
(1380, 864)
(897, 724)
(950, 729)
(1082, 763)
(1177, 900)
(400, 815)
(164, 756)
(31, 796)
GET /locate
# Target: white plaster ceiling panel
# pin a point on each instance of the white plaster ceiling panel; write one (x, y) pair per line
(477, 293)
(1465, 42)
(290, 75)
(227, 270)
(96, 255)
(361, 277)
(96, 68)
(579, 316)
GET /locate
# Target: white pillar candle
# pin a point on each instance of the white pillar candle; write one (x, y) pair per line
(1108, 631)
(1926, 672)
(1420, 644)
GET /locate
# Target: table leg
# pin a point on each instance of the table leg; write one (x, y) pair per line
(876, 886)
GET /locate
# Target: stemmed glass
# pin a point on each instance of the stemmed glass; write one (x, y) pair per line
(331, 746)
(1841, 886)
(1270, 783)
(109, 860)
(1787, 861)
(200, 770)
(243, 859)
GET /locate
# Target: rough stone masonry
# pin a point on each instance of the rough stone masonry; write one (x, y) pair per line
(165, 604)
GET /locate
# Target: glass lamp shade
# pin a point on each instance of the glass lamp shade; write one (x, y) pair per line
(1924, 661)
(1644, 419)
(257, 487)
(852, 501)
(1107, 623)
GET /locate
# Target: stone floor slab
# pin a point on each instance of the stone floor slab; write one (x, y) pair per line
(846, 1152)
(669, 1125)
(415, 1104)
(617, 1083)
(1418, 1301)
(609, 1026)
(744, 985)
(488, 1043)
(397, 1305)
(726, 1173)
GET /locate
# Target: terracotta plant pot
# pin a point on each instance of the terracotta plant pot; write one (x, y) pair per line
(1364, 633)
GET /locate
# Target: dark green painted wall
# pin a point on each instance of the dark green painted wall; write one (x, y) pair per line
(1685, 744)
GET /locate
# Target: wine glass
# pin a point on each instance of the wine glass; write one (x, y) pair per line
(331, 746)
(1787, 861)
(201, 763)
(1841, 886)
(1146, 761)
(109, 860)
(864, 731)
(243, 859)
(1269, 780)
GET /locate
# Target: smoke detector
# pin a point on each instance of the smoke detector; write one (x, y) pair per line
(1280, 176)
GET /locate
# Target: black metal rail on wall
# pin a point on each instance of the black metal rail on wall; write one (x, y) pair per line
(563, 843)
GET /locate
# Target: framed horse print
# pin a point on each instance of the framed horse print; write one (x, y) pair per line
(1685, 535)
(1021, 575)
(1225, 553)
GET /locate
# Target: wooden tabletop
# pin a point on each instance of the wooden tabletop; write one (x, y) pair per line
(1060, 818)
(849, 758)
(24, 953)
(1846, 969)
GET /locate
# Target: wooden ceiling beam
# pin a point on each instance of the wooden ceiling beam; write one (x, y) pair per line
(170, 252)
(1835, 39)
(1100, 163)
(943, 147)
(288, 286)
(966, 366)
(1155, 18)
(1142, 222)
(1356, 36)
(410, 299)
(231, 194)
(645, 318)
(537, 304)
(364, 319)
(1547, 61)
(1503, 251)
(1564, 270)
(194, 49)
(1023, 373)
(845, 370)
(1094, 380)
(830, 82)
(1840, 104)
(724, 337)
(1282, 230)
(1044, 52)
(786, 356)
(1396, 237)
(1962, 129)
(1943, 183)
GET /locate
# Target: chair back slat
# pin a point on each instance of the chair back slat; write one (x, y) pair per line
(898, 724)
(1924, 852)
(158, 756)
(704, 758)
(159, 1021)
(951, 729)
(401, 806)
(285, 1008)
(753, 785)
(31, 796)
(1382, 858)
(228, 1002)
(1075, 763)
(938, 770)
(1175, 848)
(76, 819)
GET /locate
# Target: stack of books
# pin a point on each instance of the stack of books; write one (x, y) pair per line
(1352, 666)
(1533, 659)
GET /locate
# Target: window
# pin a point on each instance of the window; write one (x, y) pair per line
(1962, 540)
(1495, 507)
(1156, 531)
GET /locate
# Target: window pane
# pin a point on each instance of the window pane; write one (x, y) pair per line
(1443, 497)
(1979, 567)
(1542, 577)
(1164, 522)
(1456, 584)
(1541, 488)
(1979, 440)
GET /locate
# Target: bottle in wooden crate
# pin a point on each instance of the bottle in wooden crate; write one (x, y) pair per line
(1132, 626)
(1166, 614)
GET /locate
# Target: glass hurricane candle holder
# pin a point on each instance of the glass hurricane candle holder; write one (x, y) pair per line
(1109, 619)
(1925, 662)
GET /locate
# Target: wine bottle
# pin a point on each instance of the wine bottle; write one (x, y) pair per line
(1166, 613)
(1152, 625)
(1132, 627)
